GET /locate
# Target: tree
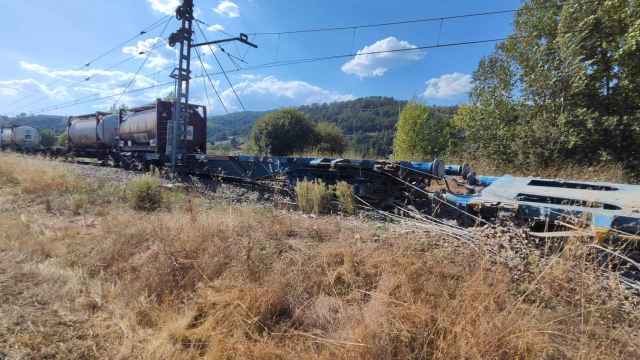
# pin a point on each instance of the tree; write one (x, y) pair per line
(330, 139)
(63, 139)
(562, 87)
(419, 134)
(283, 132)
(47, 138)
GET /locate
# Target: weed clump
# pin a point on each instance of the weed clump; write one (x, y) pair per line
(145, 194)
(344, 195)
(314, 197)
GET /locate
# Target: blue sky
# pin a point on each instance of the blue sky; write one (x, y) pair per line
(44, 45)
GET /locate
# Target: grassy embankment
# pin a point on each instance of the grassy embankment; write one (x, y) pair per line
(84, 275)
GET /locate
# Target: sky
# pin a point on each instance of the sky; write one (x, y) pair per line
(46, 46)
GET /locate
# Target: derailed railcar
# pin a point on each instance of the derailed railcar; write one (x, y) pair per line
(142, 136)
(556, 208)
(92, 135)
(20, 138)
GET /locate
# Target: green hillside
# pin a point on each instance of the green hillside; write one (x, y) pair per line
(369, 122)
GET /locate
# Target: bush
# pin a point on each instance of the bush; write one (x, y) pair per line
(145, 193)
(314, 197)
(330, 139)
(344, 194)
(283, 132)
(47, 138)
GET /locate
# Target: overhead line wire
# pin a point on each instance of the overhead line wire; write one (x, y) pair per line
(143, 63)
(221, 68)
(89, 63)
(412, 21)
(210, 81)
(332, 57)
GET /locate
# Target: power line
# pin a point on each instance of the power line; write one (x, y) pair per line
(102, 55)
(143, 63)
(149, 28)
(413, 21)
(210, 81)
(91, 77)
(221, 68)
(317, 59)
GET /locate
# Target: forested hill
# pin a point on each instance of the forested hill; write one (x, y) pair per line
(55, 123)
(368, 122)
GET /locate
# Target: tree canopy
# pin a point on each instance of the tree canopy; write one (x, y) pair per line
(283, 132)
(419, 134)
(564, 87)
(330, 139)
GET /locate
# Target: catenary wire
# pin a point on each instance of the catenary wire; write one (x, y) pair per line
(222, 68)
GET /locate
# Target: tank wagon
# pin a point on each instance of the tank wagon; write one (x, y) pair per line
(92, 135)
(21, 138)
(142, 134)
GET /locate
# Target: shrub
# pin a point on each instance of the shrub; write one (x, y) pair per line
(145, 193)
(283, 132)
(47, 138)
(344, 194)
(330, 140)
(314, 197)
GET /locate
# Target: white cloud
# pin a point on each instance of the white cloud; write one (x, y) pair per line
(159, 56)
(100, 83)
(164, 6)
(28, 87)
(227, 8)
(376, 59)
(448, 86)
(268, 92)
(216, 27)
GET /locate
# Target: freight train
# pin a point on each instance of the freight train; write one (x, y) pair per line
(135, 138)
(550, 208)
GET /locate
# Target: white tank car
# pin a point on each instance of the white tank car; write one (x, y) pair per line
(20, 137)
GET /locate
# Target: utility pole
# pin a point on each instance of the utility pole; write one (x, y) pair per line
(182, 75)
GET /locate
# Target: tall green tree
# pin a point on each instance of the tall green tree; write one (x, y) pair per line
(563, 87)
(419, 134)
(283, 132)
(330, 139)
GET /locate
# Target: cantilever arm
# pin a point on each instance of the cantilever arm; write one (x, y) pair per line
(243, 38)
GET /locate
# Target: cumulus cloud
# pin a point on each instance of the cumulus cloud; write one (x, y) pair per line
(14, 88)
(448, 86)
(268, 92)
(164, 6)
(81, 83)
(227, 8)
(375, 59)
(159, 53)
(216, 27)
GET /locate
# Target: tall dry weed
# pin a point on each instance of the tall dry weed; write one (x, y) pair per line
(314, 197)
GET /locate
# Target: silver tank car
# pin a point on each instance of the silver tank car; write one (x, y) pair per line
(20, 137)
(92, 131)
(139, 128)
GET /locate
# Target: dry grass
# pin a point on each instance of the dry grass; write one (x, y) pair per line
(344, 195)
(247, 283)
(145, 194)
(314, 197)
